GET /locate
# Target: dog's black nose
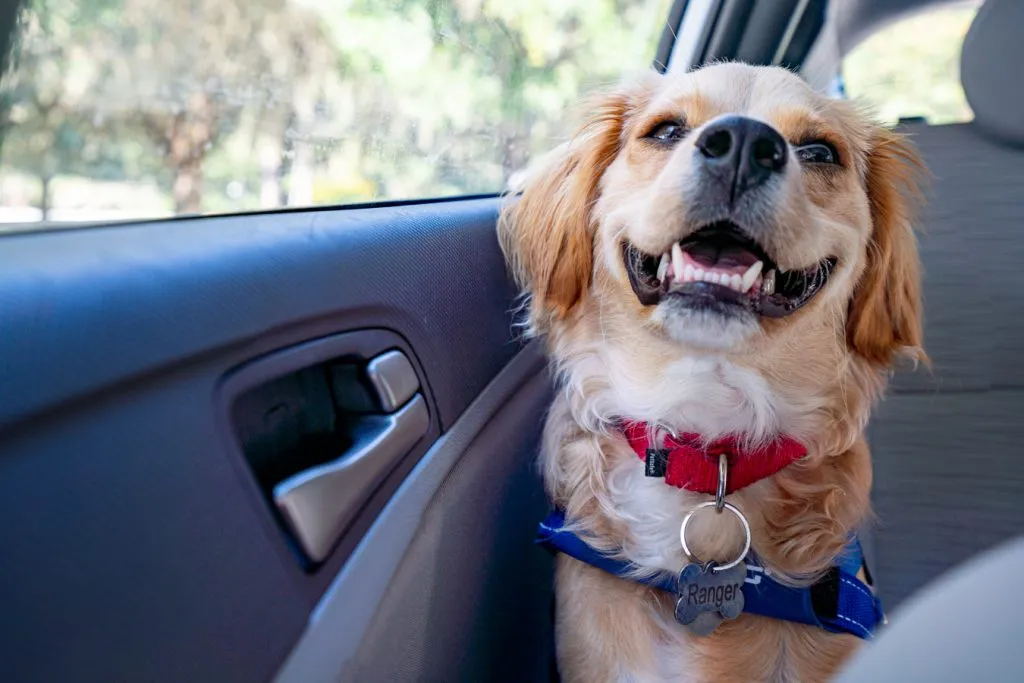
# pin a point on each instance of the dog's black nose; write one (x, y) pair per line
(741, 152)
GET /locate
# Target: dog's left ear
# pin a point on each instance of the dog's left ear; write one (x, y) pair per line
(885, 314)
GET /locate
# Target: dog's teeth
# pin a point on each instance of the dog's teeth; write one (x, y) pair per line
(678, 264)
(689, 274)
(663, 266)
(768, 286)
(747, 281)
(736, 282)
(698, 274)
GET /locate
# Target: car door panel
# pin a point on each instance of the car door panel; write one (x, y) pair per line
(139, 544)
(464, 594)
(156, 294)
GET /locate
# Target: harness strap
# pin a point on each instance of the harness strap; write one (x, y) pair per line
(837, 603)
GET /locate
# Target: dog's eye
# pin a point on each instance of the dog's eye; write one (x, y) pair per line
(669, 131)
(819, 152)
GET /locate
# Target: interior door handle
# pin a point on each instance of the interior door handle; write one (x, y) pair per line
(328, 429)
(318, 503)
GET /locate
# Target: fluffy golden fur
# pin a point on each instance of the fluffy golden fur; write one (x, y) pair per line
(813, 375)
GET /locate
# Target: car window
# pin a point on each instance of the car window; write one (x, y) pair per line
(118, 109)
(911, 68)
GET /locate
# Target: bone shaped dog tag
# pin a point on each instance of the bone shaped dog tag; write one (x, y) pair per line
(707, 597)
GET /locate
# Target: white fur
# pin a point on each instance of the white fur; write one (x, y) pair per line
(653, 512)
(704, 394)
(705, 329)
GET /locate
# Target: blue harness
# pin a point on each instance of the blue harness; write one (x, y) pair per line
(838, 603)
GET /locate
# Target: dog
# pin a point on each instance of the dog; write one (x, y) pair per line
(727, 255)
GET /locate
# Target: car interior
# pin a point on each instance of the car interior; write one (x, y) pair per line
(299, 445)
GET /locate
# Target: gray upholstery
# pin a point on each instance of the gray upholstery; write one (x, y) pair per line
(972, 247)
(947, 444)
(992, 55)
(979, 643)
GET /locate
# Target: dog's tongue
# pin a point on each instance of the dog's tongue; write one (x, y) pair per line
(731, 258)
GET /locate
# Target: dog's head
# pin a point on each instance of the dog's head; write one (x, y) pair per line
(726, 210)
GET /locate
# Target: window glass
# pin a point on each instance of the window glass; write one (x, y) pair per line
(911, 68)
(143, 108)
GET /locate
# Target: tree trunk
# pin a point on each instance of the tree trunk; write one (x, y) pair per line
(300, 178)
(188, 187)
(270, 169)
(300, 183)
(44, 196)
(190, 135)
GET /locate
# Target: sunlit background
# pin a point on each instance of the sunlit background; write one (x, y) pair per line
(118, 109)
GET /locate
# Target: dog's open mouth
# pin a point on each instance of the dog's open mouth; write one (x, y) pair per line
(720, 267)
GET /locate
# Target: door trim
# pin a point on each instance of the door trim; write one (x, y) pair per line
(349, 605)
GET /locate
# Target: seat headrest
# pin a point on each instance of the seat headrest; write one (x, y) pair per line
(990, 64)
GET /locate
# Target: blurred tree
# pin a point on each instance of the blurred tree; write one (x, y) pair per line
(37, 99)
(184, 73)
(233, 104)
(912, 67)
(479, 86)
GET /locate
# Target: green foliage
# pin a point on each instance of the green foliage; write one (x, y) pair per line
(912, 67)
(229, 105)
(36, 100)
(240, 104)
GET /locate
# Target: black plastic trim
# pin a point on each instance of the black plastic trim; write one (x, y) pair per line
(9, 10)
(30, 228)
(730, 23)
(806, 34)
(825, 594)
(668, 36)
(764, 29)
(753, 32)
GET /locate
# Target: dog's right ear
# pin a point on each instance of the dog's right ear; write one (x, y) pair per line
(885, 313)
(548, 233)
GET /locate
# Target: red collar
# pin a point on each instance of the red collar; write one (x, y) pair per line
(686, 464)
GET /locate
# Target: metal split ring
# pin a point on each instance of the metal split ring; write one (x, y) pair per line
(723, 477)
(731, 508)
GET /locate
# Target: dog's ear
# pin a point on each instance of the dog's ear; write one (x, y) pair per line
(548, 233)
(885, 313)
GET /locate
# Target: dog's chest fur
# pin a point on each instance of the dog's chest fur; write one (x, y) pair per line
(705, 395)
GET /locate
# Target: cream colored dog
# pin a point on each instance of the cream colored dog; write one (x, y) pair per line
(725, 253)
